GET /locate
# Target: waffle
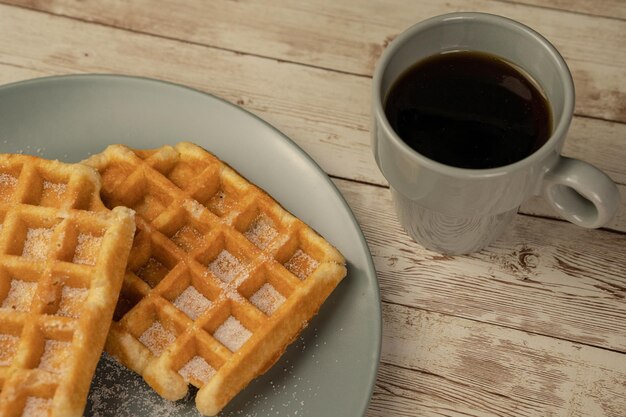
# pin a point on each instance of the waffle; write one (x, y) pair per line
(220, 278)
(62, 262)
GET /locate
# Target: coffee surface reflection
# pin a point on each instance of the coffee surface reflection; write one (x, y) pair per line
(469, 110)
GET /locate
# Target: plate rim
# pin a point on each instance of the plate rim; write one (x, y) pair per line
(371, 270)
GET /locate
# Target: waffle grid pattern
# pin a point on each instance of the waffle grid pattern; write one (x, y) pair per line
(220, 278)
(62, 257)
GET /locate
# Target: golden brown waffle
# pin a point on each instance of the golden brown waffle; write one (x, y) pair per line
(220, 278)
(62, 261)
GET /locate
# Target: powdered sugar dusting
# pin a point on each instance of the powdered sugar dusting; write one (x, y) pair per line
(7, 180)
(20, 295)
(54, 187)
(117, 391)
(7, 185)
(54, 357)
(8, 347)
(71, 301)
(87, 247)
(220, 203)
(226, 266)
(283, 391)
(192, 302)
(267, 299)
(36, 407)
(261, 232)
(37, 242)
(301, 264)
(157, 338)
(232, 334)
(197, 368)
(218, 200)
(196, 209)
(187, 238)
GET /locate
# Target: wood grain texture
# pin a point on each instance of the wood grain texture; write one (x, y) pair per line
(436, 365)
(535, 325)
(326, 113)
(302, 101)
(342, 37)
(530, 279)
(614, 9)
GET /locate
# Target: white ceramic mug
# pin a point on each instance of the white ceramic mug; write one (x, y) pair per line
(455, 210)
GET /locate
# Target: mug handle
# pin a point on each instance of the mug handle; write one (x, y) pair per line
(580, 192)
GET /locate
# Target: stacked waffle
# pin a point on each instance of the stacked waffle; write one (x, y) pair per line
(219, 280)
(62, 260)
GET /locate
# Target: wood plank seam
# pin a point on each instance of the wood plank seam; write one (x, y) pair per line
(499, 325)
(185, 41)
(425, 372)
(522, 3)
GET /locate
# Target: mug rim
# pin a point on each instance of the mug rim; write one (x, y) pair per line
(560, 128)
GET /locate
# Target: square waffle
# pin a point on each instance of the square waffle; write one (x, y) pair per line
(62, 261)
(220, 278)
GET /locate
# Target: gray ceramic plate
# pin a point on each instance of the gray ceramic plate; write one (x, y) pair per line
(331, 369)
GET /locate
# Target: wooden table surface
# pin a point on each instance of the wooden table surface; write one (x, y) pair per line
(534, 325)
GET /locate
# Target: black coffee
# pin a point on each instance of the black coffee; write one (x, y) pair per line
(469, 110)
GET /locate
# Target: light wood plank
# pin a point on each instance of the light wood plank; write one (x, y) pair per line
(332, 131)
(340, 36)
(537, 206)
(435, 365)
(603, 145)
(457, 360)
(614, 9)
(531, 279)
(326, 113)
(302, 101)
(600, 143)
(533, 248)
